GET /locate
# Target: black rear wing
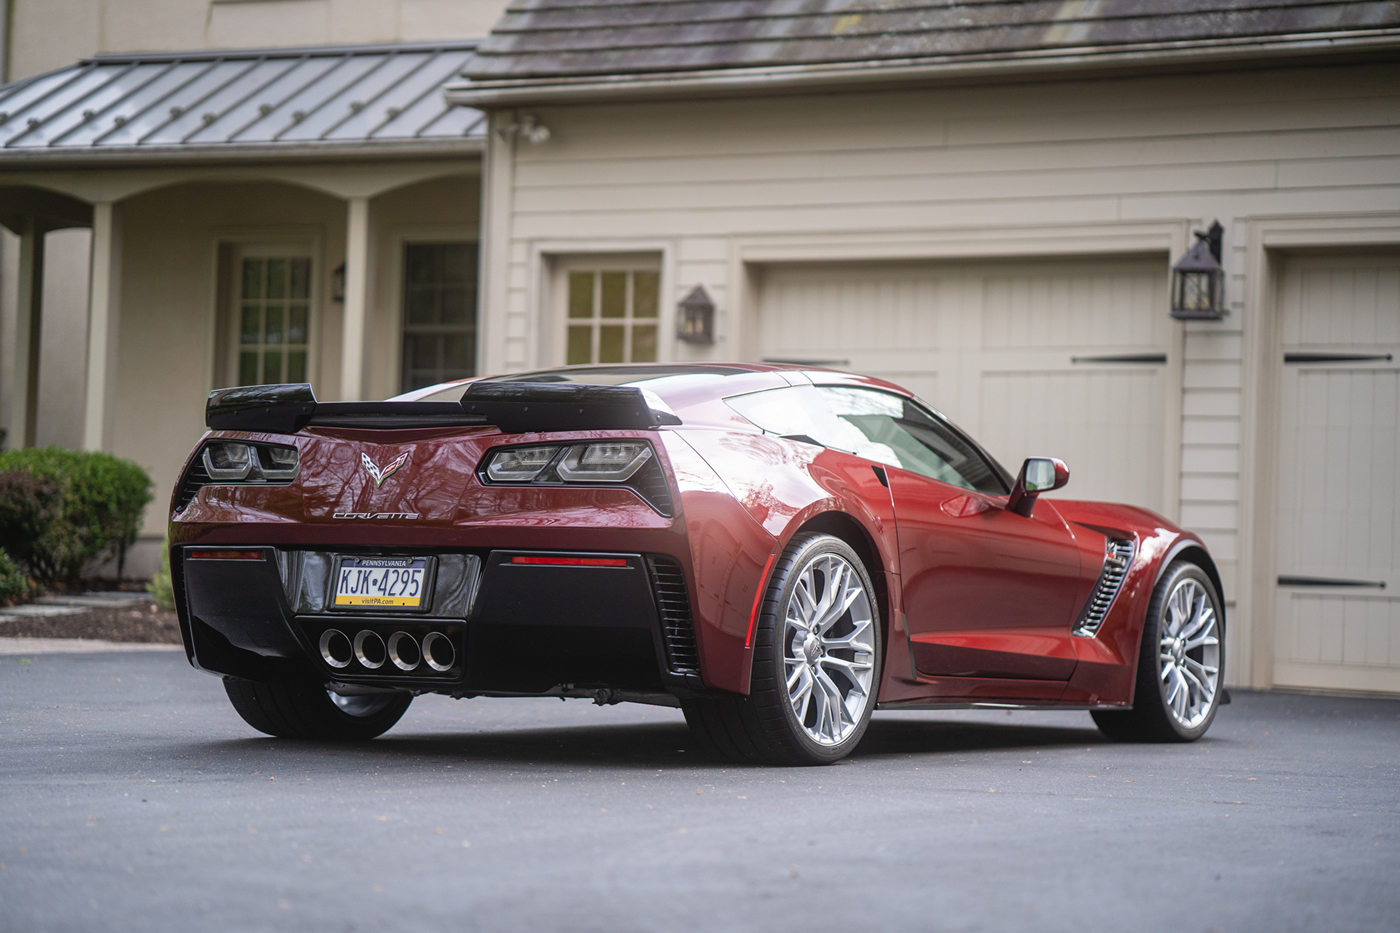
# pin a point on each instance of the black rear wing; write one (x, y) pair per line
(513, 407)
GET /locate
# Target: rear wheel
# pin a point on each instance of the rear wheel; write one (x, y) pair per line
(1179, 664)
(296, 710)
(816, 663)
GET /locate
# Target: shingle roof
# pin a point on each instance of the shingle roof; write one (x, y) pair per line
(320, 100)
(543, 40)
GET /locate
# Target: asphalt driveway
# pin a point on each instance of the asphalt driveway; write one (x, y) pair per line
(133, 798)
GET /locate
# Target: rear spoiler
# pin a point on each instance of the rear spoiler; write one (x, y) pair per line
(513, 407)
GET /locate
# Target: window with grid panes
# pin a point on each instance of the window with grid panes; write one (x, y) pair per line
(612, 316)
(274, 305)
(439, 313)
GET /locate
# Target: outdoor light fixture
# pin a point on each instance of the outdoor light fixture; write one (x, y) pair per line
(1198, 282)
(697, 317)
(528, 127)
(338, 284)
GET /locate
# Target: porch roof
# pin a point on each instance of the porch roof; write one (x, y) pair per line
(272, 103)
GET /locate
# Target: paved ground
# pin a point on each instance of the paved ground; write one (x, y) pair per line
(132, 798)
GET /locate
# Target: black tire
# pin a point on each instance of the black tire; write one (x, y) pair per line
(763, 727)
(295, 710)
(1161, 713)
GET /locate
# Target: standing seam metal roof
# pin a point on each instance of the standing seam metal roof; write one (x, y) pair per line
(358, 98)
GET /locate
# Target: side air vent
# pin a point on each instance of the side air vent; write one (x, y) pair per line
(195, 477)
(673, 603)
(1118, 556)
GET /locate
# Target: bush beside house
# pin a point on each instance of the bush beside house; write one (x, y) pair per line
(62, 510)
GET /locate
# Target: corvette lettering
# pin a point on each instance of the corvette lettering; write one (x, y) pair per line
(377, 516)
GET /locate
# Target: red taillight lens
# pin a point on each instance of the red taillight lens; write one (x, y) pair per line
(225, 555)
(572, 561)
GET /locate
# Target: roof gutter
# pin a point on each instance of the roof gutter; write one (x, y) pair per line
(999, 66)
(147, 156)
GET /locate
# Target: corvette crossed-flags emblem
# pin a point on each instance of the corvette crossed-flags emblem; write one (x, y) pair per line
(381, 474)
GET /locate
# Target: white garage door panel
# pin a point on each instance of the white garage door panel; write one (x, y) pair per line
(1032, 307)
(1339, 449)
(991, 344)
(1116, 414)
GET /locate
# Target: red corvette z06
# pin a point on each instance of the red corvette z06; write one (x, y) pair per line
(776, 551)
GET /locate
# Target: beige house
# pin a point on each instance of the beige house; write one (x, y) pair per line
(982, 201)
(985, 202)
(200, 193)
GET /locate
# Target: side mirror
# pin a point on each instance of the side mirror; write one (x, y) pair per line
(1038, 474)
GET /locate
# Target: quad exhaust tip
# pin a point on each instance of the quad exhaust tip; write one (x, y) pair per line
(335, 648)
(439, 652)
(370, 650)
(404, 651)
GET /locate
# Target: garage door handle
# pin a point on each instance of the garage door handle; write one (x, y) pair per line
(1336, 357)
(1149, 359)
(1330, 581)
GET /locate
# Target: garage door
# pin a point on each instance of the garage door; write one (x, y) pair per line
(1338, 609)
(1063, 358)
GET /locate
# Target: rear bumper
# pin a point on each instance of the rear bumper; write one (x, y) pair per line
(518, 621)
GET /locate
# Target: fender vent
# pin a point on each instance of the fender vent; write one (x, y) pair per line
(673, 604)
(1118, 556)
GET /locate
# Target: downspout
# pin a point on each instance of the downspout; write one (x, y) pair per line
(4, 41)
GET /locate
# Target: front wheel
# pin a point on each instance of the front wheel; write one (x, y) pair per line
(817, 649)
(296, 710)
(1179, 664)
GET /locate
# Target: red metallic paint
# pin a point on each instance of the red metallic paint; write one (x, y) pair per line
(968, 588)
(727, 552)
(988, 593)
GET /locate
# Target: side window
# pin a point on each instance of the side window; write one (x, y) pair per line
(919, 442)
(875, 425)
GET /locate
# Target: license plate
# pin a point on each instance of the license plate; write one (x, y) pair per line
(381, 582)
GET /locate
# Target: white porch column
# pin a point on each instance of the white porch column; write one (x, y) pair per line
(104, 320)
(29, 317)
(357, 290)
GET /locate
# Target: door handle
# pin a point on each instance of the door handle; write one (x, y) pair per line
(1337, 357)
(1148, 359)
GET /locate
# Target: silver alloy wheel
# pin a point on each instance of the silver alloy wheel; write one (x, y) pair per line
(1188, 654)
(828, 649)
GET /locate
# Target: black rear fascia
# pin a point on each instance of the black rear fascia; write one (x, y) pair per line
(592, 627)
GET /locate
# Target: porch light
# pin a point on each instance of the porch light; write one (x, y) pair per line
(697, 317)
(1198, 282)
(338, 284)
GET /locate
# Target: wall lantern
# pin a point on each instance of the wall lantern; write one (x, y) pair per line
(1198, 282)
(338, 284)
(697, 317)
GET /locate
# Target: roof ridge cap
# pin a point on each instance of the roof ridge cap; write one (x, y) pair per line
(288, 51)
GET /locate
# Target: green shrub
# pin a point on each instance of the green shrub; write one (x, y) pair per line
(160, 587)
(13, 583)
(28, 503)
(97, 514)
